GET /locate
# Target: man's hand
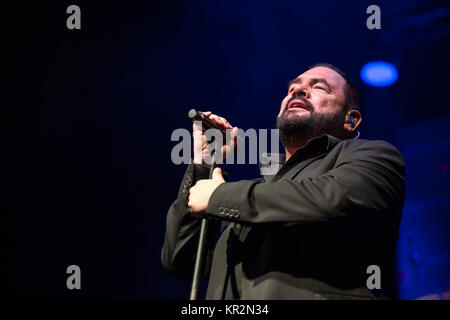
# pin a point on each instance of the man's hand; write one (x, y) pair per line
(202, 152)
(201, 192)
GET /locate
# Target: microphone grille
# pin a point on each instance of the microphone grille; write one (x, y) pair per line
(194, 115)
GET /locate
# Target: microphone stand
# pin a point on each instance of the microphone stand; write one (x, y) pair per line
(201, 242)
(194, 115)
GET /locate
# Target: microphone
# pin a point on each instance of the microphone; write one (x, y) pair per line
(207, 123)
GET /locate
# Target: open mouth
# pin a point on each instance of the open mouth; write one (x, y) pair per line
(298, 104)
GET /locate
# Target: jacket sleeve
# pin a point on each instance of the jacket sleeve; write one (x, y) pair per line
(182, 231)
(367, 178)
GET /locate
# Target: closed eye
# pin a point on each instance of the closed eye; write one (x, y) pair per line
(322, 88)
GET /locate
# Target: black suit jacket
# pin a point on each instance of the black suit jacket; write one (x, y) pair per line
(309, 232)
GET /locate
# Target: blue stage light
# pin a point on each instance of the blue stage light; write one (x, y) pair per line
(379, 73)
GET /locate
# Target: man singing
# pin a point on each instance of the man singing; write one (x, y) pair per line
(312, 230)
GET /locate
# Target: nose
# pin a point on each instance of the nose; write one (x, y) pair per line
(299, 91)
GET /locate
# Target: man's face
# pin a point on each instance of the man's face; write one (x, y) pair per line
(313, 105)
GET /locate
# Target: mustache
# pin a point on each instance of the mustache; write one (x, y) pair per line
(307, 103)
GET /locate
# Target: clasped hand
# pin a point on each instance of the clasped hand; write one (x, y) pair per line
(201, 192)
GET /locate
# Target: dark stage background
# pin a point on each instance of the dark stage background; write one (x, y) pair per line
(93, 178)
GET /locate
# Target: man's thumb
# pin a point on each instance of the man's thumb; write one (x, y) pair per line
(217, 174)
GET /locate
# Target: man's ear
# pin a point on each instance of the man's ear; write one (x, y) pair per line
(352, 120)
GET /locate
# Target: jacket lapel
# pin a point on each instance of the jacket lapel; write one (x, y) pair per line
(299, 167)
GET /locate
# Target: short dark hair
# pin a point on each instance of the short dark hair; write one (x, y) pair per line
(353, 99)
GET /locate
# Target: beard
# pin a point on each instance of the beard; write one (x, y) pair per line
(294, 129)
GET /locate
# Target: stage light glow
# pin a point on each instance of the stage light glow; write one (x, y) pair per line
(379, 73)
